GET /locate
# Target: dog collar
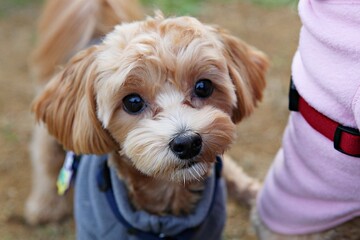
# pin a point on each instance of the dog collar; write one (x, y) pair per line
(105, 186)
(345, 139)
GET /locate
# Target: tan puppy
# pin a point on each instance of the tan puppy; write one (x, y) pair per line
(162, 97)
(65, 27)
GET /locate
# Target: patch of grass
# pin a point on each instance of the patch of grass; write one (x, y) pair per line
(7, 6)
(192, 7)
(183, 7)
(275, 3)
(8, 134)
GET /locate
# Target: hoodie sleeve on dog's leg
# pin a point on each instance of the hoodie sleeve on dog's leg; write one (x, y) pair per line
(356, 107)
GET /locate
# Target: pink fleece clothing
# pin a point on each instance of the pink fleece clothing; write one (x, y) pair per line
(311, 186)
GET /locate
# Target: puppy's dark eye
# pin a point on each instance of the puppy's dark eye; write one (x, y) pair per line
(204, 88)
(133, 103)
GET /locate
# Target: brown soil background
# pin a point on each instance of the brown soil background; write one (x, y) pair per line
(273, 30)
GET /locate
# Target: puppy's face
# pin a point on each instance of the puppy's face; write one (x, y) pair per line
(165, 93)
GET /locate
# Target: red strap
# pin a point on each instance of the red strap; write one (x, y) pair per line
(346, 140)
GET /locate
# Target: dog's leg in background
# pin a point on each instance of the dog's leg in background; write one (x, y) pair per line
(65, 27)
(44, 204)
(240, 186)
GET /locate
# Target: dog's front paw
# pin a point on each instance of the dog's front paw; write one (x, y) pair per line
(47, 209)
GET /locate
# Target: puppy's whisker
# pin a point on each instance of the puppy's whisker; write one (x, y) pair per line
(201, 177)
(192, 174)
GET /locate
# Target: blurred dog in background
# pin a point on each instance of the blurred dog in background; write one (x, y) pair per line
(65, 27)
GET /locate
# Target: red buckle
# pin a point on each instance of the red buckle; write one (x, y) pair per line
(346, 139)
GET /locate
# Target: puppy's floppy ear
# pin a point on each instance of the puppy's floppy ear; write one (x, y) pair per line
(68, 107)
(247, 68)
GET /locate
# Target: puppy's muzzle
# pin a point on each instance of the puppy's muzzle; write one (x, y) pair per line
(186, 145)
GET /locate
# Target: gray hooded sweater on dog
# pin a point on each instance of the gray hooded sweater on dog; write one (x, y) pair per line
(96, 220)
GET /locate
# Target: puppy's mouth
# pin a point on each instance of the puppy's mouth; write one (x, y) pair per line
(189, 164)
(191, 171)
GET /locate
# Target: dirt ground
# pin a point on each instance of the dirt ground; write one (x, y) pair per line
(273, 30)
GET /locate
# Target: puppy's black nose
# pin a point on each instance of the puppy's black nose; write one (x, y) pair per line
(186, 145)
